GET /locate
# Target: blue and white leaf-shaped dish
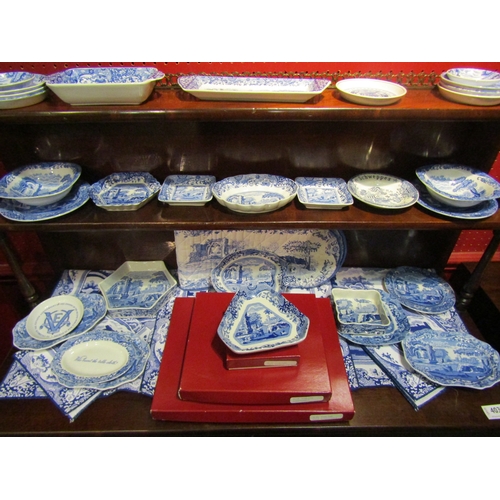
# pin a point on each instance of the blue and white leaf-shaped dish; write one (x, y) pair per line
(231, 88)
(261, 322)
(187, 190)
(124, 191)
(251, 271)
(474, 76)
(420, 290)
(452, 358)
(254, 193)
(323, 192)
(370, 91)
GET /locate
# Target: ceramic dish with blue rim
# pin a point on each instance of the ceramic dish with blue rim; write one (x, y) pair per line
(187, 190)
(250, 270)
(124, 191)
(15, 79)
(262, 322)
(420, 290)
(474, 76)
(94, 310)
(383, 191)
(40, 184)
(452, 358)
(370, 91)
(14, 210)
(232, 88)
(483, 210)
(323, 192)
(98, 359)
(254, 193)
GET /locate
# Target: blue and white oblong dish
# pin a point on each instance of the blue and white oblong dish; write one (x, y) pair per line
(77, 197)
(187, 190)
(98, 86)
(15, 80)
(323, 192)
(370, 91)
(452, 358)
(383, 191)
(230, 88)
(420, 290)
(262, 322)
(251, 271)
(40, 184)
(474, 76)
(94, 310)
(458, 185)
(124, 191)
(99, 359)
(254, 193)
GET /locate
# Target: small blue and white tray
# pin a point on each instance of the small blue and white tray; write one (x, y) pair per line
(187, 190)
(452, 358)
(100, 360)
(383, 191)
(474, 76)
(420, 290)
(323, 192)
(254, 193)
(261, 323)
(370, 91)
(124, 191)
(229, 88)
(251, 271)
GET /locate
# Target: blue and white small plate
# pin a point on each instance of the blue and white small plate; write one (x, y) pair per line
(77, 197)
(420, 290)
(323, 192)
(187, 190)
(100, 360)
(261, 322)
(383, 191)
(251, 271)
(474, 76)
(452, 358)
(15, 80)
(370, 91)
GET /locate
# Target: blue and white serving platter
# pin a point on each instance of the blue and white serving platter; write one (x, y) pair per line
(420, 290)
(261, 322)
(187, 190)
(452, 358)
(474, 76)
(16, 211)
(370, 91)
(254, 193)
(251, 271)
(124, 191)
(94, 310)
(229, 88)
(383, 191)
(100, 360)
(323, 192)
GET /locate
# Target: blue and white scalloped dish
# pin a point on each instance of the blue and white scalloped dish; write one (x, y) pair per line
(187, 190)
(323, 192)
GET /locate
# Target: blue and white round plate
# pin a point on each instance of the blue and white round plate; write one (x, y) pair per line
(420, 290)
(15, 79)
(452, 358)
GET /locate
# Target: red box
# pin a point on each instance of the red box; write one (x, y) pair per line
(277, 358)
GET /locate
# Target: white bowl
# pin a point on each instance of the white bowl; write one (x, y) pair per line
(370, 91)
(474, 76)
(467, 98)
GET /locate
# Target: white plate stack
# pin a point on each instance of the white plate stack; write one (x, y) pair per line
(20, 88)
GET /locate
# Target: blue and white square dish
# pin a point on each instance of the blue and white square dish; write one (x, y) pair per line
(323, 192)
(187, 190)
(360, 307)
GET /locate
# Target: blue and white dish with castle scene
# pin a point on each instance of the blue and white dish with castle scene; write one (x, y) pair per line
(323, 192)
(124, 191)
(261, 322)
(452, 358)
(360, 307)
(187, 190)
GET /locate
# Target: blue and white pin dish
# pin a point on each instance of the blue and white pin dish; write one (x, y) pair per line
(370, 91)
(94, 310)
(383, 191)
(420, 290)
(482, 210)
(251, 271)
(137, 288)
(100, 359)
(254, 193)
(458, 185)
(474, 76)
(124, 191)
(261, 322)
(187, 190)
(323, 192)
(230, 88)
(14, 210)
(40, 184)
(100, 86)
(15, 80)
(452, 358)
(360, 307)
